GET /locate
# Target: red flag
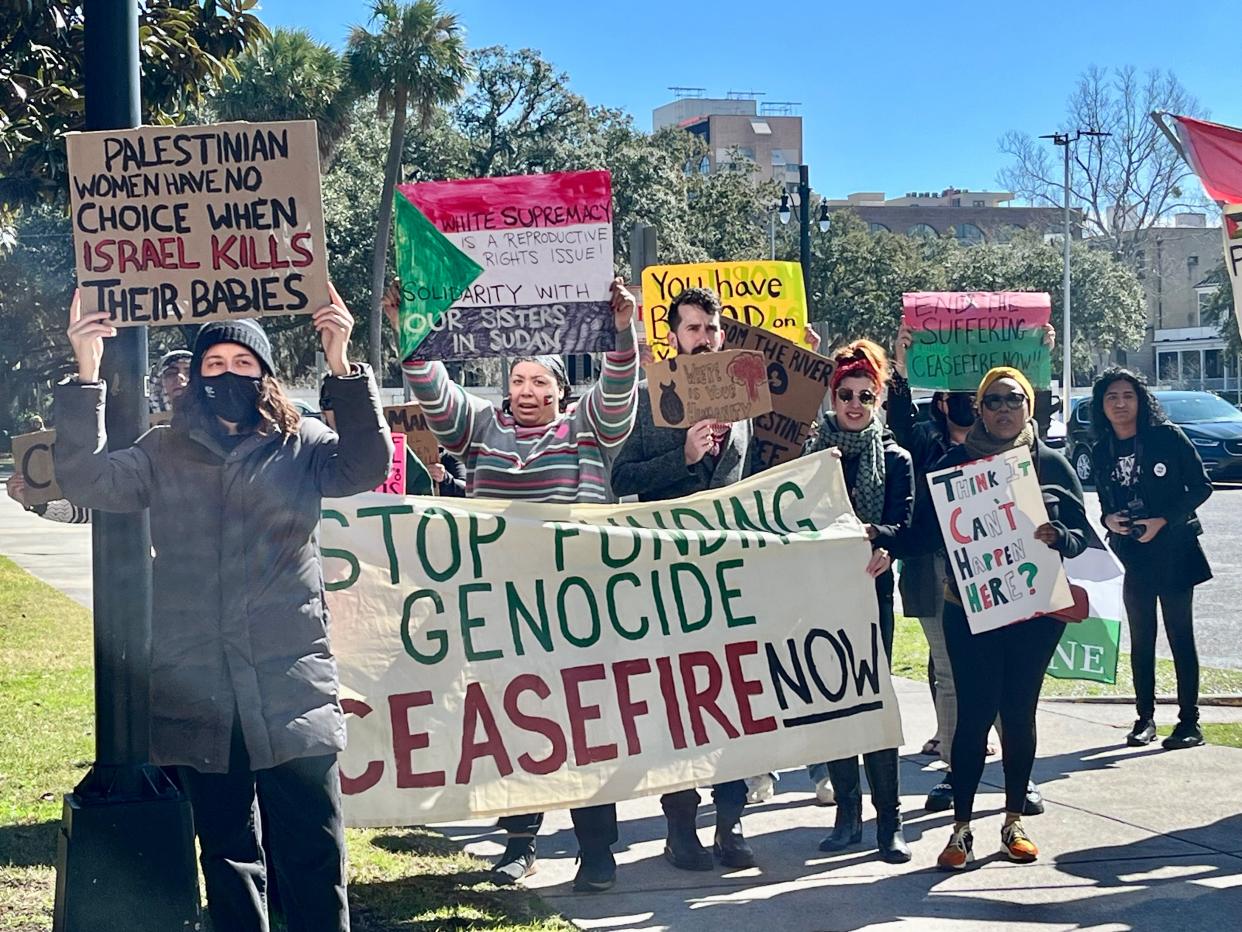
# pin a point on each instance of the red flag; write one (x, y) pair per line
(1214, 151)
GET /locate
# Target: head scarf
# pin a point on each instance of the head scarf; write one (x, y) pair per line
(1005, 372)
(978, 441)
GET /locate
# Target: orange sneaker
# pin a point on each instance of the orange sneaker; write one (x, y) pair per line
(959, 852)
(1017, 844)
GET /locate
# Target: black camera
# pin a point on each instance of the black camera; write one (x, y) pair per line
(1136, 510)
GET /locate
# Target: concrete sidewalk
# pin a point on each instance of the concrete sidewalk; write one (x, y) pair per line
(1132, 839)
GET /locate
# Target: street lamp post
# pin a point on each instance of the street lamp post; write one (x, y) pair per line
(125, 850)
(804, 225)
(1067, 373)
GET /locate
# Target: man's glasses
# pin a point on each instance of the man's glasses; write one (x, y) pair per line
(1014, 401)
(866, 397)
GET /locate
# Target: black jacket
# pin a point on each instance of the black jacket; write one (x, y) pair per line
(1062, 496)
(921, 579)
(1172, 479)
(898, 498)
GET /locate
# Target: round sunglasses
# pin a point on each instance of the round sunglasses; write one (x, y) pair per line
(866, 397)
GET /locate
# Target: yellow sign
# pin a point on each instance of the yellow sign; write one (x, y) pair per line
(760, 293)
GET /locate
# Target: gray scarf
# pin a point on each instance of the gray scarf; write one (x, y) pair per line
(867, 446)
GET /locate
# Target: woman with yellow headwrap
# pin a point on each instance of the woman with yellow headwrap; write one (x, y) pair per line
(999, 671)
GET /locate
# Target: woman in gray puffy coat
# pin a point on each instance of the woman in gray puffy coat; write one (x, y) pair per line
(244, 689)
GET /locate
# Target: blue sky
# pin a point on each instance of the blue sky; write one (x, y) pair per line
(896, 96)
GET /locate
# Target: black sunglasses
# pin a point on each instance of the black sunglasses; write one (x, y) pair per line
(1014, 401)
(866, 397)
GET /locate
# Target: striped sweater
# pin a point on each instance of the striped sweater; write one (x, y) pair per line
(568, 460)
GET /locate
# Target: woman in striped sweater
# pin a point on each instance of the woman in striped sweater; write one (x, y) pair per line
(540, 447)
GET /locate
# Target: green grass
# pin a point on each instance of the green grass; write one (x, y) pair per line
(910, 660)
(412, 880)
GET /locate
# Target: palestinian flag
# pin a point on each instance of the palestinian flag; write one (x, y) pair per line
(433, 273)
(1214, 151)
(1089, 649)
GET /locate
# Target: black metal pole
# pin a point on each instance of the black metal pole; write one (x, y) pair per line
(125, 852)
(804, 228)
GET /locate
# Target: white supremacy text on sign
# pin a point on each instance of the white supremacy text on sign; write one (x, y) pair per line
(989, 510)
(503, 657)
(545, 245)
(189, 224)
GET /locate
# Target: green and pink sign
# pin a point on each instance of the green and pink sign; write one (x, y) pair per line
(959, 335)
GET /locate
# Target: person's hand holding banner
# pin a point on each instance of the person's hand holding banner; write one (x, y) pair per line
(86, 335)
(334, 323)
(623, 305)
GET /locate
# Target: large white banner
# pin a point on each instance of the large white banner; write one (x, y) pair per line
(988, 511)
(501, 657)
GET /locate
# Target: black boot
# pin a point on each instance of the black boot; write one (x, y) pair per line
(848, 828)
(597, 870)
(890, 840)
(731, 847)
(682, 848)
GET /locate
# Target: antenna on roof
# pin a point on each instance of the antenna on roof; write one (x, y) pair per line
(744, 95)
(684, 93)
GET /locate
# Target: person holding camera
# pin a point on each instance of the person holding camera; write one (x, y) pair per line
(1150, 480)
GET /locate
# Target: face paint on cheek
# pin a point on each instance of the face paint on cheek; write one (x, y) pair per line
(548, 399)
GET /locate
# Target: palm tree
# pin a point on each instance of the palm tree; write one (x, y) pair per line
(290, 76)
(416, 59)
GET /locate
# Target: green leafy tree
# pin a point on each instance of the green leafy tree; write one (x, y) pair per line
(289, 76)
(416, 59)
(185, 46)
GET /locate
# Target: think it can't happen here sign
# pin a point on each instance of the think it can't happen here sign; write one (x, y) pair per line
(504, 657)
(190, 224)
(988, 511)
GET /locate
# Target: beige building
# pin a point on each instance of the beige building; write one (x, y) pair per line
(768, 134)
(1180, 348)
(970, 216)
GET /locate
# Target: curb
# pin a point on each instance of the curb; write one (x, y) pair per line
(1231, 701)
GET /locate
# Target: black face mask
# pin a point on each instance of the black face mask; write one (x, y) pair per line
(961, 410)
(232, 397)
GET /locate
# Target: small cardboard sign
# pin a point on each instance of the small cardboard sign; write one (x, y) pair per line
(156, 418)
(798, 380)
(959, 335)
(408, 419)
(395, 483)
(32, 460)
(988, 511)
(725, 387)
(190, 224)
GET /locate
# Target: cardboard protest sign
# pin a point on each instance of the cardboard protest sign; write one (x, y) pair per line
(728, 386)
(762, 293)
(989, 510)
(505, 266)
(155, 418)
(32, 460)
(504, 657)
(394, 483)
(1231, 229)
(408, 419)
(189, 224)
(798, 380)
(959, 335)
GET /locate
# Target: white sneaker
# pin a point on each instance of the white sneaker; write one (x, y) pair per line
(824, 794)
(761, 788)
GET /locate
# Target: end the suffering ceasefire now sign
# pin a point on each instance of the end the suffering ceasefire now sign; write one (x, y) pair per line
(189, 224)
(505, 657)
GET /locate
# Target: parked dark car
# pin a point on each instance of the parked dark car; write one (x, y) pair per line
(1212, 424)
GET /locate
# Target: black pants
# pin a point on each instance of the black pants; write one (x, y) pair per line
(1177, 606)
(1000, 671)
(302, 799)
(595, 826)
(729, 797)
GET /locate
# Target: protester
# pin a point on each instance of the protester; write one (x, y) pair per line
(449, 475)
(244, 688)
(659, 463)
(999, 671)
(173, 372)
(540, 448)
(1150, 480)
(880, 480)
